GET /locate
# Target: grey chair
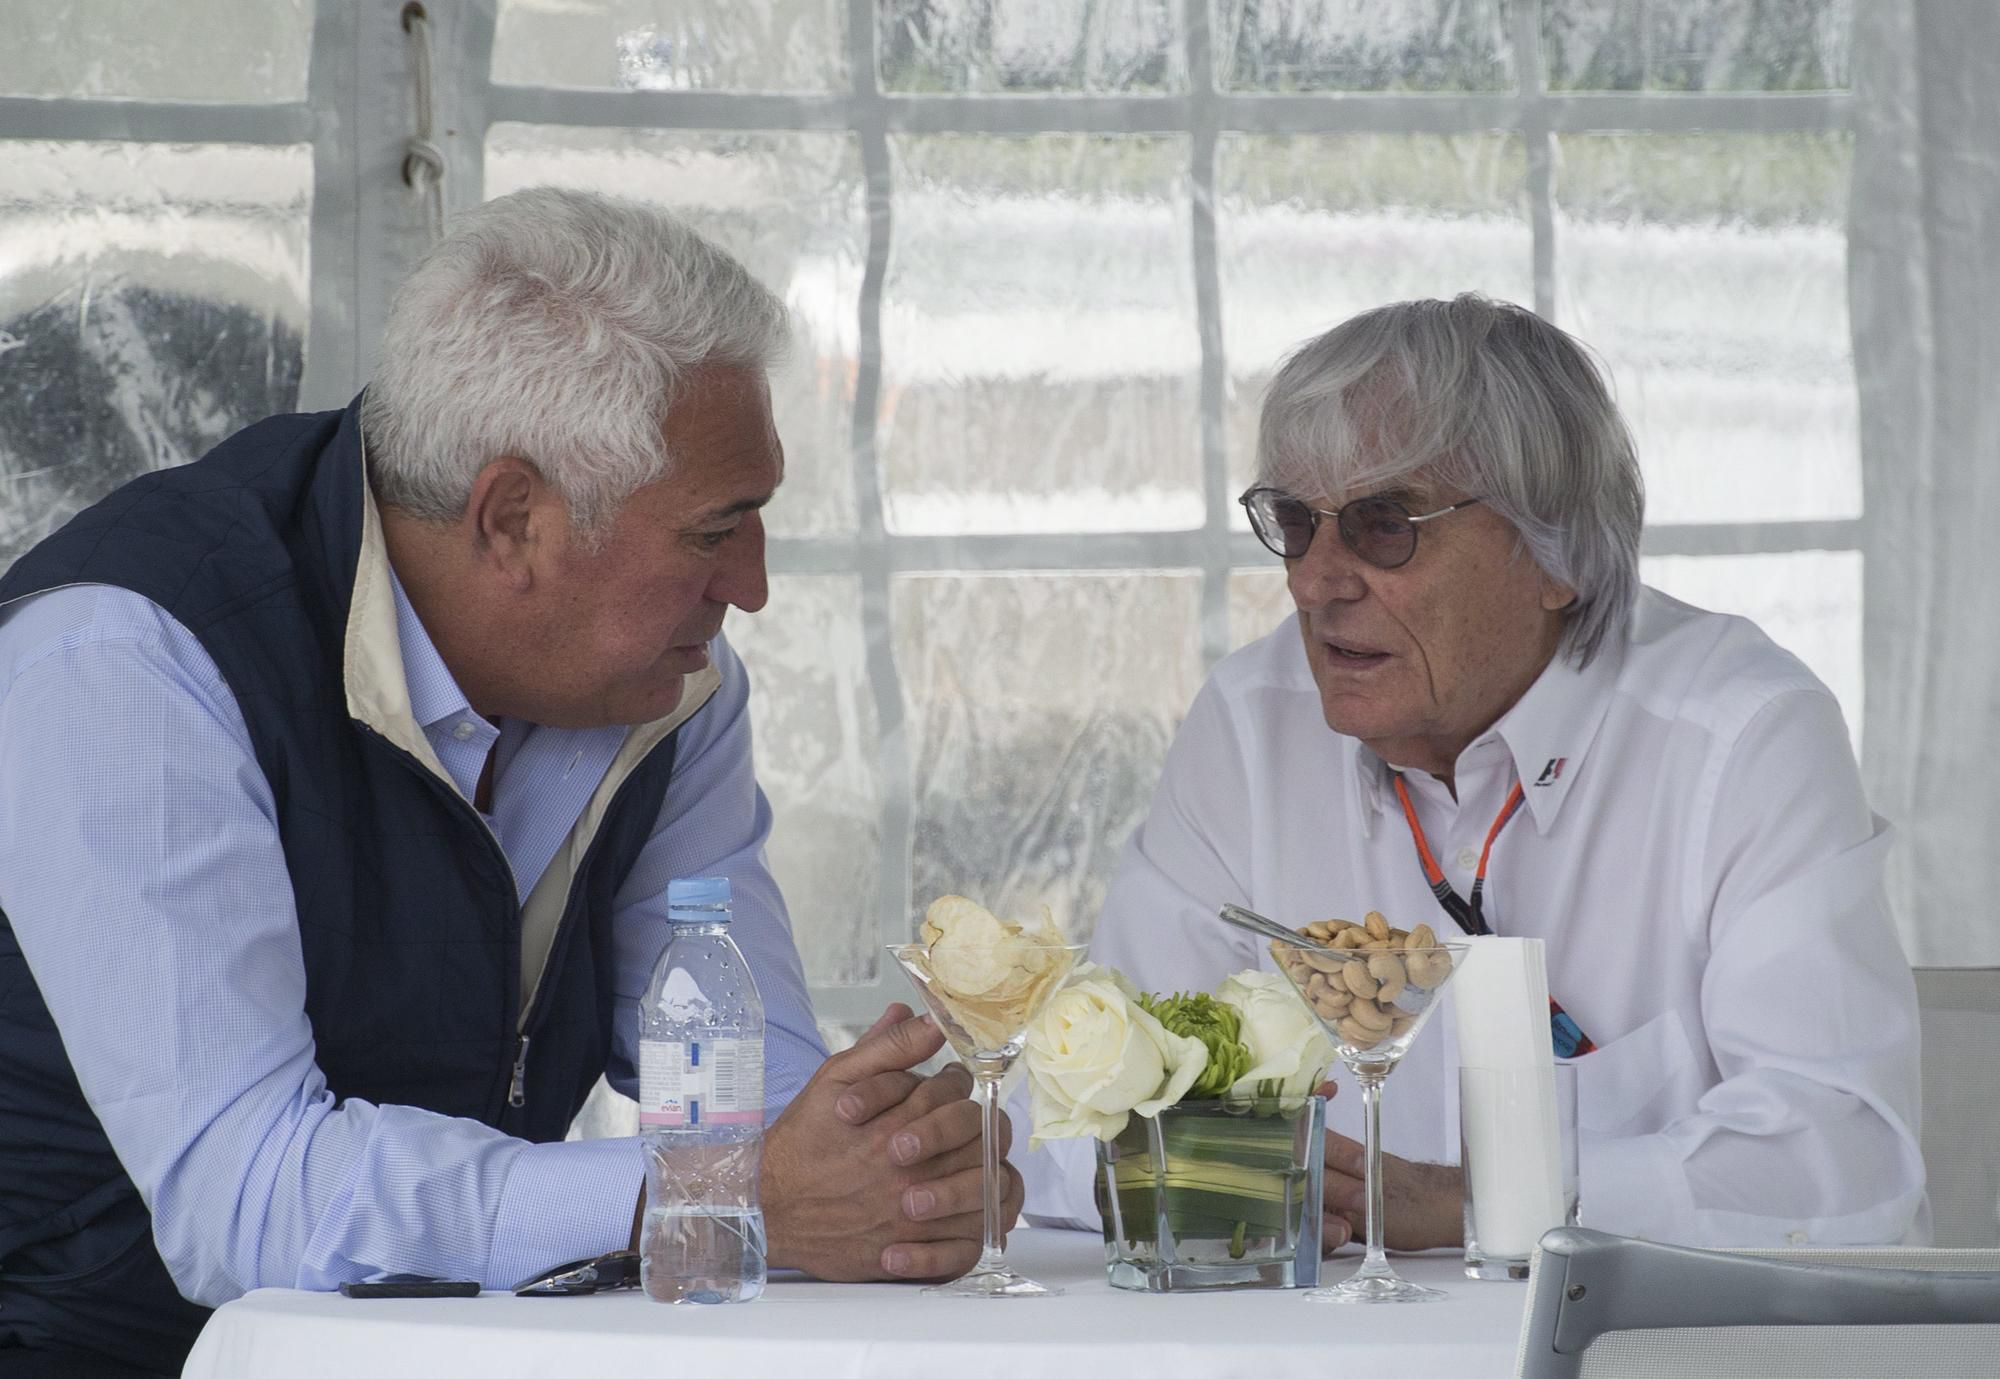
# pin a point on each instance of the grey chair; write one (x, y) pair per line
(1960, 1007)
(1608, 1307)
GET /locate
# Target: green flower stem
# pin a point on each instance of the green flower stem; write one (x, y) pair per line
(1227, 1178)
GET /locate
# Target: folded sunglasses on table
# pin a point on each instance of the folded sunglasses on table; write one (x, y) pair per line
(598, 1274)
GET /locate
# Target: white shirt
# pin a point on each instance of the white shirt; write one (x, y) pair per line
(1697, 854)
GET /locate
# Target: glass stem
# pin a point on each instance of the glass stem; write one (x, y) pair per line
(991, 1254)
(1371, 1103)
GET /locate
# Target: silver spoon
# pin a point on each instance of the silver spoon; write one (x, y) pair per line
(1269, 928)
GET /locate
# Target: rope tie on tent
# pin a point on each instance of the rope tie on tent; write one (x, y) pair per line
(423, 160)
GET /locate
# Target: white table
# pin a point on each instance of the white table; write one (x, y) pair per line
(889, 1330)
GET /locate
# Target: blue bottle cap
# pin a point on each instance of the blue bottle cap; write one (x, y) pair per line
(698, 899)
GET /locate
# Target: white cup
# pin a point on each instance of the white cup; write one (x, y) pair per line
(1517, 1147)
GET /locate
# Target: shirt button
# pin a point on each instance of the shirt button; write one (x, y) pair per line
(1467, 858)
(463, 731)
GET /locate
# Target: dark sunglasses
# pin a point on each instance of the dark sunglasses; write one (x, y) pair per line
(599, 1274)
(1380, 530)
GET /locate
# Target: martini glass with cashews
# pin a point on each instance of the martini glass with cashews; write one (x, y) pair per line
(1373, 988)
(983, 981)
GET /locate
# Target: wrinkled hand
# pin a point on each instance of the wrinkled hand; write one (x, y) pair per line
(1422, 1204)
(873, 1172)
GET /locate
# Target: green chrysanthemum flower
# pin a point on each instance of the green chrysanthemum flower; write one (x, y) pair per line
(1218, 1026)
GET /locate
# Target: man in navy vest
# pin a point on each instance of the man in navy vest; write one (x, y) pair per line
(345, 772)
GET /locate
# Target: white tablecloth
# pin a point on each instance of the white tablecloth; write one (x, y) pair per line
(882, 1331)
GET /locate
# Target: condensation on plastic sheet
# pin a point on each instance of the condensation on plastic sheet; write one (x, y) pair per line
(791, 206)
(1258, 601)
(1312, 229)
(672, 45)
(210, 51)
(152, 302)
(1697, 45)
(813, 720)
(1039, 708)
(1364, 45)
(1710, 270)
(1040, 361)
(1028, 46)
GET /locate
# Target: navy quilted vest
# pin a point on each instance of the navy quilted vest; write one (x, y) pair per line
(407, 909)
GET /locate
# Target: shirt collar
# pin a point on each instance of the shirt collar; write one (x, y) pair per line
(1367, 778)
(1550, 728)
(1548, 733)
(434, 694)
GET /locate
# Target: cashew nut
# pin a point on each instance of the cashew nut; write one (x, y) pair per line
(1427, 967)
(1355, 974)
(1332, 1002)
(1387, 969)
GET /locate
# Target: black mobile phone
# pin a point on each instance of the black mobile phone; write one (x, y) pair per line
(413, 1288)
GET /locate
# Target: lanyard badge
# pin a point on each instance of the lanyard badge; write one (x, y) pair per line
(1469, 914)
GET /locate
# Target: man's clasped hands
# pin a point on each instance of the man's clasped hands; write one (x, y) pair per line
(873, 1171)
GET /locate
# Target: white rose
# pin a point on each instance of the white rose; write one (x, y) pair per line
(1095, 1057)
(1285, 1039)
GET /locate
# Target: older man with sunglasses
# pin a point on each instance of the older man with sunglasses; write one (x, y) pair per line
(1480, 719)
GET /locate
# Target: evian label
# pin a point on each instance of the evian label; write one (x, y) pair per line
(701, 1082)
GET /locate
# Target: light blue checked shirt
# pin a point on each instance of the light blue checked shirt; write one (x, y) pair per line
(141, 869)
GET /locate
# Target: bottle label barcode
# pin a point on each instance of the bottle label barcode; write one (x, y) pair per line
(716, 1082)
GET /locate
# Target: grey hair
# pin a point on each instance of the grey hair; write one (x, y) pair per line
(560, 327)
(1489, 399)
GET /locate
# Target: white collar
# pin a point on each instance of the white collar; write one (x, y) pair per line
(1547, 732)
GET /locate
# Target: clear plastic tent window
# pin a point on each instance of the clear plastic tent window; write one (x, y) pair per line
(1043, 256)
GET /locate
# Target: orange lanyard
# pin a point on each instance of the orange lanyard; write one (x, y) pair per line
(1466, 913)
(1569, 1039)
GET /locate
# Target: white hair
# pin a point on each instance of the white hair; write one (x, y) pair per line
(1487, 398)
(559, 327)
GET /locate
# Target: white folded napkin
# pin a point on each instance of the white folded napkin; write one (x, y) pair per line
(1512, 1143)
(1501, 990)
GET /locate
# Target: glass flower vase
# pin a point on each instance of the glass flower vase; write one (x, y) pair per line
(1210, 1195)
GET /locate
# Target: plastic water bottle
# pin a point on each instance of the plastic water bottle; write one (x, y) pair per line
(701, 1108)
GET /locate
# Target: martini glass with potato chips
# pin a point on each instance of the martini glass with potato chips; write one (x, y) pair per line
(983, 980)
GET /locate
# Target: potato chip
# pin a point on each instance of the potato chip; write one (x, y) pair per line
(991, 974)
